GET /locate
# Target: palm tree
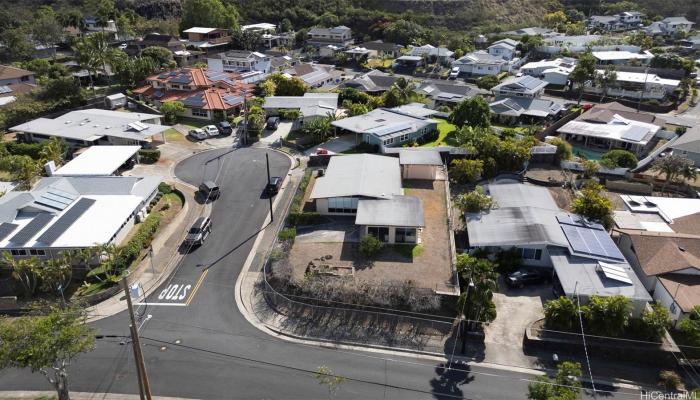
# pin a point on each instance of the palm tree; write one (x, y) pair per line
(405, 89)
(673, 166)
(93, 53)
(24, 271)
(54, 150)
(109, 268)
(607, 78)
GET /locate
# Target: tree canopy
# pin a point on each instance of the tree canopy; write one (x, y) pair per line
(592, 204)
(474, 112)
(209, 13)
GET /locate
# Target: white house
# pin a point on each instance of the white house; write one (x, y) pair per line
(537, 68)
(636, 85)
(72, 213)
(310, 105)
(442, 54)
(621, 57)
(339, 36)
(504, 48)
(240, 61)
(480, 63)
(669, 26)
(573, 44)
(524, 86)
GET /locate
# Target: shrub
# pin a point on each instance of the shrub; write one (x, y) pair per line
(303, 218)
(466, 171)
(429, 137)
(607, 316)
(656, 321)
(619, 158)
(149, 156)
(370, 246)
(564, 149)
(287, 235)
(690, 326)
(140, 240)
(165, 188)
(669, 380)
(560, 314)
(292, 114)
(32, 150)
(474, 201)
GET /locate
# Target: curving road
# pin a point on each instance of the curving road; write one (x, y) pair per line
(198, 345)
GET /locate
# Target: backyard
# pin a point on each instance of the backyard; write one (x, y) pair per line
(445, 135)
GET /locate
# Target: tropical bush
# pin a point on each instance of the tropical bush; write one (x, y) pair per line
(370, 246)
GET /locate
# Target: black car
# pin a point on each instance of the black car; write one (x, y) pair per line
(272, 123)
(273, 186)
(209, 190)
(225, 128)
(524, 277)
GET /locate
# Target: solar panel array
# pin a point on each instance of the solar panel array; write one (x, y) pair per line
(233, 100)
(31, 229)
(592, 242)
(65, 221)
(393, 128)
(614, 272)
(194, 101)
(6, 228)
(577, 220)
(57, 199)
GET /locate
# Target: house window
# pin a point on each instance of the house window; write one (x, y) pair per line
(18, 252)
(198, 112)
(380, 232)
(531, 254)
(405, 235)
(403, 137)
(36, 252)
(388, 141)
(342, 205)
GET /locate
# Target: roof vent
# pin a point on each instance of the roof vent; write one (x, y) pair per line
(681, 248)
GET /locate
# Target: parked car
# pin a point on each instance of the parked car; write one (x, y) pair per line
(454, 72)
(198, 134)
(209, 190)
(123, 46)
(211, 130)
(225, 128)
(272, 123)
(199, 232)
(273, 186)
(524, 277)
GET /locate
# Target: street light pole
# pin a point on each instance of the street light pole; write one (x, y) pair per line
(245, 117)
(144, 385)
(267, 163)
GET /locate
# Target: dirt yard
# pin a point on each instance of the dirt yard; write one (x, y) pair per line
(425, 265)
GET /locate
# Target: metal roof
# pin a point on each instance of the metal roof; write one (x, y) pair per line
(98, 161)
(365, 175)
(411, 156)
(397, 211)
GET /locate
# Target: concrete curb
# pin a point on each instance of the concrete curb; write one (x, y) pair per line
(31, 395)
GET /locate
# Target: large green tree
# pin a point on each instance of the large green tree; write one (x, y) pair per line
(160, 55)
(592, 204)
(46, 343)
(673, 167)
(474, 112)
(584, 71)
(209, 13)
(564, 386)
(619, 158)
(45, 27)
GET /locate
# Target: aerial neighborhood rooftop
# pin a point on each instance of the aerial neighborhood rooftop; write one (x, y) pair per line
(511, 185)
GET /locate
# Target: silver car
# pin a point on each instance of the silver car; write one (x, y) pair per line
(199, 232)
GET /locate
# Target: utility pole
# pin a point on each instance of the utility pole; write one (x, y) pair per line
(144, 385)
(267, 162)
(245, 118)
(644, 88)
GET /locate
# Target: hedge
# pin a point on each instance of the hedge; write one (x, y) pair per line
(32, 150)
(288, 235)
(149, 156)
(289, 113)
(141, 240)
(303, 218)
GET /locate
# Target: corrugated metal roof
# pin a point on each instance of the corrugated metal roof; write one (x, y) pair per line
(397, 211)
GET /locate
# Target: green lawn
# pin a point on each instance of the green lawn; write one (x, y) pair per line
(412, 251)
(193, 123)
(172, 135)
(445, 137)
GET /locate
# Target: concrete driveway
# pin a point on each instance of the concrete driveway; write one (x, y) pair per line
(516, 309)
(338, 145)
(280, 133)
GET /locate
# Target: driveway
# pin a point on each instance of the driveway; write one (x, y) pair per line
(515, 309)
(337, 145)
(280, 133)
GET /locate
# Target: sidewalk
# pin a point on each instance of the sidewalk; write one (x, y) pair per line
(31, 395)
(150, 273)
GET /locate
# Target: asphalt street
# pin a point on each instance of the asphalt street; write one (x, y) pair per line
(198, 345)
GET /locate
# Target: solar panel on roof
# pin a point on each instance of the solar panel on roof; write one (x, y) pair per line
(577, 220)
(65, 221)
(31, 229)
(5, 89)
(61, 193)
(614, 272)
(196, 101)
(635, 133)
(138, 126)
(591, 241)
(57, 199)
(6, 228)
(389, 129)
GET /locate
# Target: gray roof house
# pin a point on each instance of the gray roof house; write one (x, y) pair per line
(688, 145)
(513, 108)
(585, 259)
(338, 36)
(369, 187)
(531, 31)
(442, 92)
(311, 105)
(63, 213)
(386, 127)
(669, 26)
(480, 63)
(525, 86)
(94, 127)
(374, 82)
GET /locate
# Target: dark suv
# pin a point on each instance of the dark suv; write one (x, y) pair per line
(224, 128)
(525, 277)
(273, 186)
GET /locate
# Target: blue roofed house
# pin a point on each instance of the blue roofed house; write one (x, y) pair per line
(581, 255)
(387, 127)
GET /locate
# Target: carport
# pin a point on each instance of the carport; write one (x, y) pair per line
(419, 164)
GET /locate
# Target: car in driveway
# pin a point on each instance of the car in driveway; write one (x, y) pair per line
(197, 134)
(272, 123)
(225, 128)
(211, 130)
(526, 277)
(199, 232)
(454, 72)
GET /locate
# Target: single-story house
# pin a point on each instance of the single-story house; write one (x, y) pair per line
(99, 161)
(380, 48)
(445, 93)
(311, 105)
(504, 48)
(481, 63)
(372, 82)
(574, 44)
(93, 126)
(407, 62)
(612, 125)
(634, 85)
(688, 145)
(73, 213)
(660, 236)
(369, 187)
(621, 57)
(386, 127)
(442, 55)
(315, 75)
(583, 256)
(524, 86)
(537, 68)
(514, 109)
(531, 31)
